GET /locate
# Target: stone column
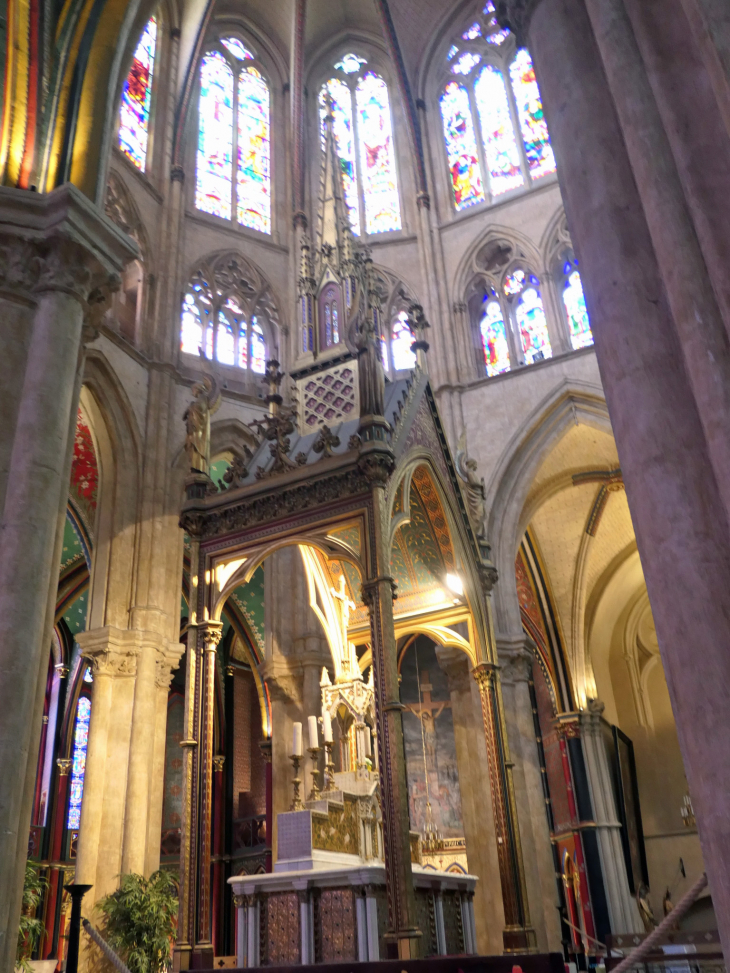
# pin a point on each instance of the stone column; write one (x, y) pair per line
(141, 748)
(518, 935)
(57, 249)
(113, 656)
(710, 23)
(675, 502)
(622, 909)
(378, 592)
(516, 659)
(476, 798)
(165, 666)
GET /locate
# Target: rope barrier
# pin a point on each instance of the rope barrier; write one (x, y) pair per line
(677, 913)
(104, 946)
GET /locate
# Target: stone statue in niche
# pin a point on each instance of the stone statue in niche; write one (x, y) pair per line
(473, 486)
(370, 371)
(197, 424)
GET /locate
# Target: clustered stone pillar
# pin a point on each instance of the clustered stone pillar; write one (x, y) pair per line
(59, 257)
(626, 182)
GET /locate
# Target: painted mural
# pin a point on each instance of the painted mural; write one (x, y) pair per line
(428, 731)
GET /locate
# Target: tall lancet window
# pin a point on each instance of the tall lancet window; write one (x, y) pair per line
(363, 129)
(522, 291)
(233, 165)
(574, 304)
(78, 757)
(495, 133)
(136, 107)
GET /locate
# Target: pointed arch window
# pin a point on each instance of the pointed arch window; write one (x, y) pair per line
(495, 133)
(78, 762)
(522, 290)
(233, 164)
(493, 333)
(574, 304)
(363, 129)
(135, 110)
(218, 325)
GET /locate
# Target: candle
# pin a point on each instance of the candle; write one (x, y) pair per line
(327, 726)
(296, 747)
(368, 750)
(313, 738)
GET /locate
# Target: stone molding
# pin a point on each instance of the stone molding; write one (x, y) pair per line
(284, 680)
(61, 242)
(114, 652)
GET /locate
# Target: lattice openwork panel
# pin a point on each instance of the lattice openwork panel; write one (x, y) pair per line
(328, 397)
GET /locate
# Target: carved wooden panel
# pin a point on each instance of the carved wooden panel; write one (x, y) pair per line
(338, 927)
(282, 929)
(452, 923)
(426, 919)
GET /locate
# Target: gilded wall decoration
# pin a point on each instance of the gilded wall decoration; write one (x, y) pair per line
(339, 830)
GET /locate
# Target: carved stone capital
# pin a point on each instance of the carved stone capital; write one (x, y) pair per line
(211, 633)
(239, 901)
(376, 466)
(423, 200)
(59, 241)
(371, 587)
(166, 663)
(489, 576)
(516, 15)
(515, 661)
(219, 762)
(485, 674)
(284, 681)
(64, 764)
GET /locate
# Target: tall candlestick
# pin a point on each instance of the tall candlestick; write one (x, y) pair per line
(327, 726)
(313, 737)
(296, 748)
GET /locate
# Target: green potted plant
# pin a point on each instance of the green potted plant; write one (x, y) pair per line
(30, 929)
(140, 920)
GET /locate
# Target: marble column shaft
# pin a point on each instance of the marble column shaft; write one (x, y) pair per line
(378, 592)
(678, 513)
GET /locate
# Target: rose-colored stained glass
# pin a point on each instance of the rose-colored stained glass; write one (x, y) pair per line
(134, 114)
(494, 339)
(498, 134)
(377, 155)
(575, 307)
(530, 316)
(345, 141)
(534, 129)
(400, 344)
(236, 48)
(254, 152)
(461, 146)
(215, 137)
(78, 762)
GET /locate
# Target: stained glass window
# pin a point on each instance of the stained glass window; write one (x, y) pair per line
(377, 156)
(535, 135)
(466, 62)
(401, 341)
(494, 34)
(215, 137)
(350, 63)
(78, 762)
(498, 135)
(531, 322)
(236, 48)
(494, 338)
(345, 141)
(514, 282)
(258, 349)
(191, 331)
(575, 307)
(254, 176)
(474, 31)
(453, 51)
(134, 115)
(461, 146)
(247, 104)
